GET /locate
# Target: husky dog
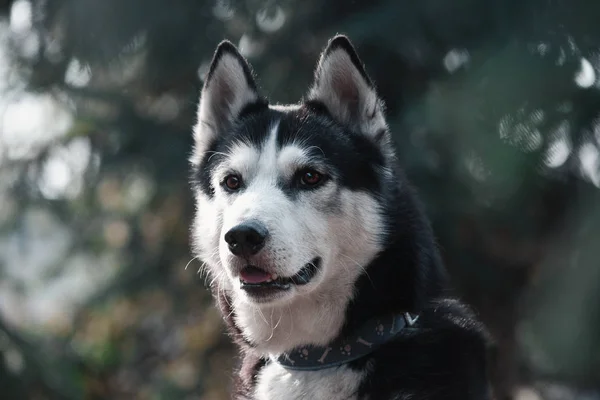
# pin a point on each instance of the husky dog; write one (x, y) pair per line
(321, 258)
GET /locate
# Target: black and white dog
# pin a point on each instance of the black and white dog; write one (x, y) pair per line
(321, 258)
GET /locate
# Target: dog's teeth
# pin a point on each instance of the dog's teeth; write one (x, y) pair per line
(274, 276)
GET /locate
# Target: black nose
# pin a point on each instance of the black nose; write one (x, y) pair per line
(247, 238)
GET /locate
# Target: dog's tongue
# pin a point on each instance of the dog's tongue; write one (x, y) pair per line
(254, 275)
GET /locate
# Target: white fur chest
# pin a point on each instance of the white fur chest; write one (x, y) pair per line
(275, 383)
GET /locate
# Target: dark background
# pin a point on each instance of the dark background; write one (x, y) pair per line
(495, 107)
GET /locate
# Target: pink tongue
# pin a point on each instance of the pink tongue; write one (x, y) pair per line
(254, 275)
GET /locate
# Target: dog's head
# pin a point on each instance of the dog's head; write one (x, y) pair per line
(289, 198)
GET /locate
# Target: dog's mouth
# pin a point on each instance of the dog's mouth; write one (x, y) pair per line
(252, 277)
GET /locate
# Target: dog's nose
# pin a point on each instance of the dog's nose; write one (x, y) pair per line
(247, 238)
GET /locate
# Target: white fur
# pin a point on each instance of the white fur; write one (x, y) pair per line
(293, 157)
(276, 383)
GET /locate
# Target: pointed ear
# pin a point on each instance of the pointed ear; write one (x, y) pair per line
(343, 86)
(229, 87)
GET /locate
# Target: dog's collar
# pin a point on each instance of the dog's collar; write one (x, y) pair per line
(348, 348)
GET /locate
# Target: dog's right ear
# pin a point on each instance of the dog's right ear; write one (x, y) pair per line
(229, 87)
(343, 86)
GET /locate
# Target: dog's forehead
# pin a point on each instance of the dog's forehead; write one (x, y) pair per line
(268, 162)
(280, 139)
(277, 141)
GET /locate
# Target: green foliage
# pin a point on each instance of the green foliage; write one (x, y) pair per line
(494, 107)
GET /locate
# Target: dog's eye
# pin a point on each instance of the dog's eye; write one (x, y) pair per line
(232, 182)
(310, 178)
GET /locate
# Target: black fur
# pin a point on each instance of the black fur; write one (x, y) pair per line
(445, 358)
(342, 42)
(226, 47)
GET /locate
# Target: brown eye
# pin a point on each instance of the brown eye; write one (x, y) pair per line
(232, 182)
(310, 178)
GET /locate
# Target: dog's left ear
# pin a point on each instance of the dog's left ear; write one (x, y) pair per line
(229, 88)
(343, 86)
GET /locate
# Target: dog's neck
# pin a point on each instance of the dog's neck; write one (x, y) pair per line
(280, 329)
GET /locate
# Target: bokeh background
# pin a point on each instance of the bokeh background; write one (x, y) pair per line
(495, 107)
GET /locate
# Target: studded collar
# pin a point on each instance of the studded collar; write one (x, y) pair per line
(345, 349)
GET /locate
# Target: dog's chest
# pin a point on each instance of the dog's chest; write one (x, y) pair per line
(274, 383)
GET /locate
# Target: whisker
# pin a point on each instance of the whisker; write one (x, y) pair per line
(262, 316)
(272, 327)
(189, 262)
(361, 267)
(214, 153)
(318, 148)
